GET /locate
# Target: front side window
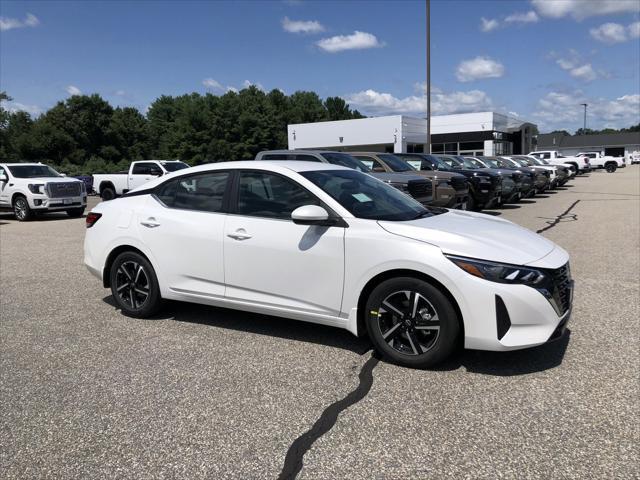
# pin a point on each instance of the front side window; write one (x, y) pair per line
(264, 194)
(203, 192)
(142, 168)
(365, 197)
(371, 163)
(32, 171)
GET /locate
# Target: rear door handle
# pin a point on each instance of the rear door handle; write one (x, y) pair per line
(150, 223)
(239, 234)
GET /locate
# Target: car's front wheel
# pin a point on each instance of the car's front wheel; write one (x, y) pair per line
(411, 322)
(21, 209)
(134, 285)
(75, 212)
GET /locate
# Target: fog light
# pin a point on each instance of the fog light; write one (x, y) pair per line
(37, 202)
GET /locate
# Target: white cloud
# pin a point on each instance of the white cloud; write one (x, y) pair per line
(212, 84)
(581, 9)
(247, 84)
(479, 67)
(73, 90)
(7, 23)
(528, 17)
(563, 110)
(120, 93)
(232, 89)
(301, 26)
(488, 24)
(577, 67)
(377, 103)
(13, 107)
(609, 33)
(356, 41)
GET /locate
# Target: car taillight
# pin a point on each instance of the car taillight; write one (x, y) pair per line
(92, 218)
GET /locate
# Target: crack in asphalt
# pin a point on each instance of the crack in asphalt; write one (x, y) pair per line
(564, 216)
(302, 444)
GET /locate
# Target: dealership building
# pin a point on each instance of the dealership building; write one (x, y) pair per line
(624, 144)
(483, 133)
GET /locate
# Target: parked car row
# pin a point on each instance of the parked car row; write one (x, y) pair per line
(344, 240)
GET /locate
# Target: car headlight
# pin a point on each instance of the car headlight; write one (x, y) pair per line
(500, 272)
(36, 188)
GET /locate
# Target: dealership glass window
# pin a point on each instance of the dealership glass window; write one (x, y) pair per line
(471, 145)
(268, 195)
(437, 148)
(502, 148)
(197, 192)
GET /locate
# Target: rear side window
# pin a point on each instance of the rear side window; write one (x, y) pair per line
(204, 192)
(264, 194)
(146, 169)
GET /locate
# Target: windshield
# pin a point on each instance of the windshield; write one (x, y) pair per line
(508, 162)
(32, 171)
(477, 162)
(492, 162)
(396, 164)
(365, 197)
(174, 166)
(345, 160)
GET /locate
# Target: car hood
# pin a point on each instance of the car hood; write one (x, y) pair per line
(476, 171)
(475, 235)
(396, 177)
(500, 171)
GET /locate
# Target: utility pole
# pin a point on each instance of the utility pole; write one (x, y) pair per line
(584, 128)
(428, 87)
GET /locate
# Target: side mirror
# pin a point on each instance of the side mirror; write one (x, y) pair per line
(63, 174)
(156, 173)
(3, 177)
(310, 215)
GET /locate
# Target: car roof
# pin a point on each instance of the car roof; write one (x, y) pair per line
(264, 152)
(293, 165)
(15, 164)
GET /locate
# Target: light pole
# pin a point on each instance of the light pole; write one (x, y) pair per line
(428, 87)
(584, 128)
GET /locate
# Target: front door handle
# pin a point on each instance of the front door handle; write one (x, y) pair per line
(150, 223)
(239, 234)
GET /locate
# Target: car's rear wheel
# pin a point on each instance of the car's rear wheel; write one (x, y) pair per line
(21, 209)
(411, 323)
(134, 285)
(611, 167)
(75, 212)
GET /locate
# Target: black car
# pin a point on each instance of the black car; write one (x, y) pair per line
(513, 184)
(539, 179)
(485, 187)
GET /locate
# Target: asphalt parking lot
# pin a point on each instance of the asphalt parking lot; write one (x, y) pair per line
(205, 392)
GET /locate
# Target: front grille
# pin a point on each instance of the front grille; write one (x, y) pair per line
(67, 189)
(517, 177)
(458, 183)
(496, 180)
(419, 189)
(562, 285)
(507, 185)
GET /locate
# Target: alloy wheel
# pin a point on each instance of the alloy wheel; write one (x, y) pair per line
(21, 209)
(132, 284)
(408, 322)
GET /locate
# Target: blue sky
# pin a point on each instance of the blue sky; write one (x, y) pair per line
(538, 59)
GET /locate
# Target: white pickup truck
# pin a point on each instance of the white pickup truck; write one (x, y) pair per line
(581, 164)
(31, 188)
(597, 160)
(112, 185)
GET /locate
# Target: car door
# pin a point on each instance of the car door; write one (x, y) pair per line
(183, 226)
(271, 261)
(141, 173)
(4, 182)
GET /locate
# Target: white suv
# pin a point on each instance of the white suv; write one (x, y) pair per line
(29, 188)
(327, 244)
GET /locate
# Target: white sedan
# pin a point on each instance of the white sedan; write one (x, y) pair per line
(326, 244)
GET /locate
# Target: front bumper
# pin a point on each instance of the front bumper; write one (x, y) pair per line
(448, 197)
(42, 203)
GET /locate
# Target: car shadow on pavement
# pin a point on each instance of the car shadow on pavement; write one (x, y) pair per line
(507, 364)
(259, 324)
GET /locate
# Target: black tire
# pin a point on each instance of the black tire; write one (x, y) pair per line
(395, 322)
(21, 209)
(75, 212)
(107, 193)
(136, 292)
(611, 167)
